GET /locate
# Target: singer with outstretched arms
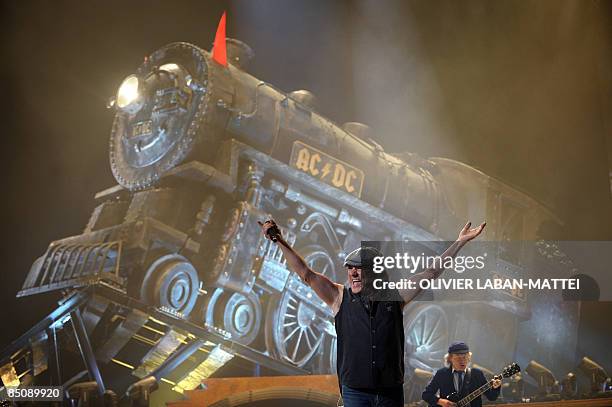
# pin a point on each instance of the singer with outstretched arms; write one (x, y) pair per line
(370, 351)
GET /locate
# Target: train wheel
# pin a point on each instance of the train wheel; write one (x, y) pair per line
(320, 261)
(326, 357)
(426, 333)
(236, 313)
(171, 282)
(295, 327)
(294, 336)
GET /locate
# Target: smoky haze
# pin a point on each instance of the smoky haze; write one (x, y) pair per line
(518, 89)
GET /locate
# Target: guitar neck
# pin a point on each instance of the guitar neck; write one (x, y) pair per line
(476, 393)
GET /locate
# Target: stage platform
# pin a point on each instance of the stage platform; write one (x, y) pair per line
(321, 390)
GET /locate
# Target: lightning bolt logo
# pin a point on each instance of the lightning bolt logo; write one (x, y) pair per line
(326, 170)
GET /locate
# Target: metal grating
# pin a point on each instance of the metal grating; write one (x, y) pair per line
(73, 265)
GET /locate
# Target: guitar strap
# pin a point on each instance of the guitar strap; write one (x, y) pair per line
(466, 383)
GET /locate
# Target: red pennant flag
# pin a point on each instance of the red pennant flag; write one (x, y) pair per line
(219, 53)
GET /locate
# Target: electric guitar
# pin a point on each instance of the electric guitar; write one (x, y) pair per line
(508, 371)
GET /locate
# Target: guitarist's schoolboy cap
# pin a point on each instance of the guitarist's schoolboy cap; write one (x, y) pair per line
(458, 347)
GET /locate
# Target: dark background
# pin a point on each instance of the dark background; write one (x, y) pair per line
(519, 89)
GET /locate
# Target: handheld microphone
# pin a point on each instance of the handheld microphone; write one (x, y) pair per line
(274, 233)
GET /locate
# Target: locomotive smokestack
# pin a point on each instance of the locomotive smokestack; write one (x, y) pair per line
(239, 54)
(304, 97)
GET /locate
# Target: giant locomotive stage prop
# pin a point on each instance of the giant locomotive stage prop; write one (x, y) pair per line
(172, 277)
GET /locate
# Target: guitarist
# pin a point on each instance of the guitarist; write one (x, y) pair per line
(457, 377)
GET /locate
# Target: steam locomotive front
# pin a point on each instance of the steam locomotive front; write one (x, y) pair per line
(159, 114)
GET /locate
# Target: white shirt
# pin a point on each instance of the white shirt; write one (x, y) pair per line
(456, 378)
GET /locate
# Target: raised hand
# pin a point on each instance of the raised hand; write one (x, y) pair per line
(266, 226)
(468, 234)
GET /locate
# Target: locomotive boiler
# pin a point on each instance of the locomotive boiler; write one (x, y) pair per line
(201, 152)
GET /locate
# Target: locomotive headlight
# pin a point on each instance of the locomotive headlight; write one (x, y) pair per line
(128, 95)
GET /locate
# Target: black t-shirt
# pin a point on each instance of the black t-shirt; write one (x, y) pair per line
(370, 342)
